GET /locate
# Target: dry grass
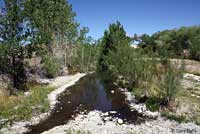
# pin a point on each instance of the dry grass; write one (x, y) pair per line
(21, 107)
(191, 66)
(188, 106)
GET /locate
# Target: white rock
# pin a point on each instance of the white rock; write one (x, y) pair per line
(192, 77)
(113, 112)
(151, 114)
(106, 118)
(148, 124)
(81, 116)
(44, 81)
(120, 121)
(192, 95)
(112, 91)
(27, 93)
(106, 114)
(124, 125)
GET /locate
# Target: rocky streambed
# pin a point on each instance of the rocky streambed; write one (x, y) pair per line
(95, 122)
(87, 95)
(97, 107)
(94, 106)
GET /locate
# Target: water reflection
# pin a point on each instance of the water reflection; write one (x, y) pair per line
(88, 94)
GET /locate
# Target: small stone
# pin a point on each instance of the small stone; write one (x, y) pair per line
(106, 118)
(151, 114)
(106, 114)
(27, 93)
(124, 125)
(68, 102)
(192, 95)
(120, 121)
(113, 112)
(148, 124)
(81, 116)
(99, 124)
(112, 91)
(140, 111)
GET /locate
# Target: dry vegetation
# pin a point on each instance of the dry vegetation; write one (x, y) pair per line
(23, 107)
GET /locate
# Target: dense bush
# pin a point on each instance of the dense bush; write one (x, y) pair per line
(153, 104)
(135, 69)
(51, 67)
(175, 42)
(195, 48)
(86, 57)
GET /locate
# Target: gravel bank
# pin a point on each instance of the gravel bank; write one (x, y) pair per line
(96, 122)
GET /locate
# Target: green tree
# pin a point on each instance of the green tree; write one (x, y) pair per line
(12, 52)
(85, 53)
(114, 36)
(173, 42)
(52, 21)
(54, 29)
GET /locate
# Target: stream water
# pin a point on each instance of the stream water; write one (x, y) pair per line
(89, 93)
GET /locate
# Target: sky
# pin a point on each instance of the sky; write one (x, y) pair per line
(137, 16)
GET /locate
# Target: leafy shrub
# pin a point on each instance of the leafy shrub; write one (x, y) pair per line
(20, 107)
(153, 104)
(51, 67)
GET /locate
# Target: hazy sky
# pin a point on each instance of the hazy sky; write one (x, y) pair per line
(137, 16)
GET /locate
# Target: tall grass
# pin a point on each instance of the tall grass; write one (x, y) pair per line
(21, 107)
(171, 81)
